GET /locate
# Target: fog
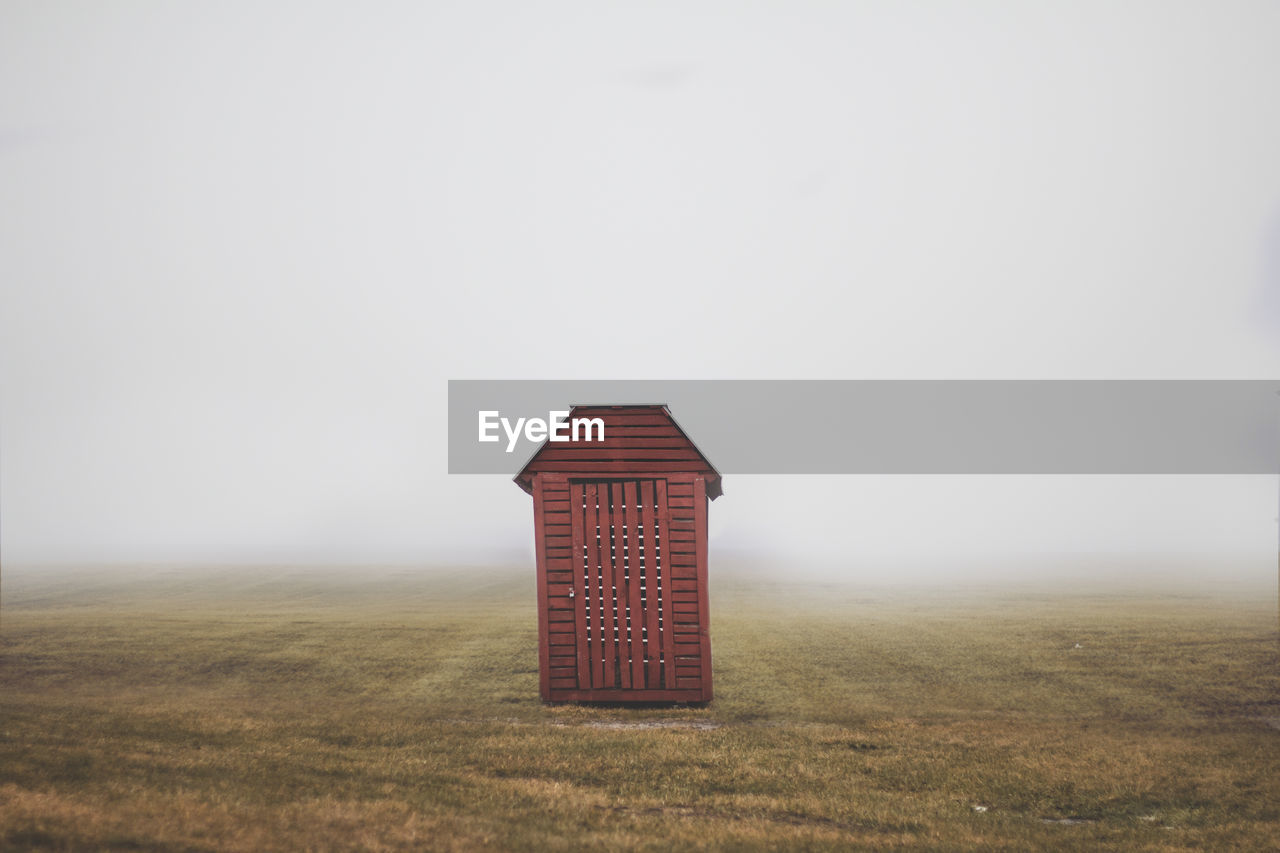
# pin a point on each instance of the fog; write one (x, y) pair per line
(244, 246)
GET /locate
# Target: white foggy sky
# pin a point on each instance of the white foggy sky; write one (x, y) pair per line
(243, 246)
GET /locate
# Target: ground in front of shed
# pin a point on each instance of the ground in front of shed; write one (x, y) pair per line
(397, 709)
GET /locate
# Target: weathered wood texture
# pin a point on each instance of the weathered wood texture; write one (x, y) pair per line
(623, 611)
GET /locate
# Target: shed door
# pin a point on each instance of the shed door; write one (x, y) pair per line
(620, 584)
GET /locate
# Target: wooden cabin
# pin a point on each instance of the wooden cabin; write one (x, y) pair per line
(620, 529)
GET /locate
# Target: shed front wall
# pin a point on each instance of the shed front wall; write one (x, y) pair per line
(622, 588)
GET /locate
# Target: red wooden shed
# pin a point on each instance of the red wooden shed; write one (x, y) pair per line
(620, 529)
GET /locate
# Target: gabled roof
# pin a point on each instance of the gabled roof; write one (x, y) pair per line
(642, 439)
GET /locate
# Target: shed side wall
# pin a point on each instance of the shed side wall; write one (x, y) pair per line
(559, 669)
(540, 557)
(688, 593)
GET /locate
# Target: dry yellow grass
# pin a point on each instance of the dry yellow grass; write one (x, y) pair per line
(238, 710)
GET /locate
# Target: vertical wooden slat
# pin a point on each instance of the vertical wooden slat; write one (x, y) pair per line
(636, 645)
(663, 518)
(653, 671)
(617, 521)
(704, 597)
(540, 558)
(578, 564)
(595, 597)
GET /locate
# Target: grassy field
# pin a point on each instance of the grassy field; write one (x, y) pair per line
(384, 710)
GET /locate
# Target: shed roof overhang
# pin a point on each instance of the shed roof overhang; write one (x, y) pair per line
(609, 458)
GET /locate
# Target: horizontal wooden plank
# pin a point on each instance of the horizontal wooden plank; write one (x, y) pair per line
(683, 585)
(689, 693)
(575, 466)
(654, 438)
(562, 661)
(559, 589)
(624, 417)
(688, 683)
(599, 452)
(564, 683)
(638, 431)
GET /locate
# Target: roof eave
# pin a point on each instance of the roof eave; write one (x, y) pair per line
(714, 489)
